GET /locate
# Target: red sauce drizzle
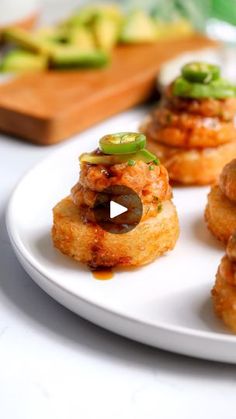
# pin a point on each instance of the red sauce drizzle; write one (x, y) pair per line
(103, 274)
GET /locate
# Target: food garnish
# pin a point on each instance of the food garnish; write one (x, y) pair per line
(200, 80)
(122, 147)
(122, 143)
(200, 72)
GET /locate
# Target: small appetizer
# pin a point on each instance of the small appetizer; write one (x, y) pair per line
(193, 130)
(224, 291)
(220, 213)
(121, 159)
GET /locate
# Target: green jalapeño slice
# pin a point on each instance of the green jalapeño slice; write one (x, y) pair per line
(217, 89)
(200, 72)
(122, 143)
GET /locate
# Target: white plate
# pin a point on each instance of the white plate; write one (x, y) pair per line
(165, 304)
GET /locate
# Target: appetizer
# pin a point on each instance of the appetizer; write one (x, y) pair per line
(224, 291)
(121, 160)
(220, 213)
(193, 130)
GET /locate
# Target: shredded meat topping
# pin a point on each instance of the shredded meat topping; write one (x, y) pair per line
(224, 109)
(149, 181)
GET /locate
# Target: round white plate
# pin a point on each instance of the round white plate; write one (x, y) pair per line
(165, 304)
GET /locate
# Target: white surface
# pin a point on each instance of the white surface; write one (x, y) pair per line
(165, 304)
(12, 11)
(55, 365)
(116, 209)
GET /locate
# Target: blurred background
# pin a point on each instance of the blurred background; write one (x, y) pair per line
(90, 35)
(217, 17)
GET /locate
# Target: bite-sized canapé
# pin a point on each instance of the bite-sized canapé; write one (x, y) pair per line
(193, 129)
(220, 213)
(224, 291)
(121, 160)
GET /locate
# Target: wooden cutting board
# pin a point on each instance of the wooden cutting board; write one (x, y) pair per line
(49, 107)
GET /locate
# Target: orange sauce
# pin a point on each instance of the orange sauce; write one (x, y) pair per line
(103, 274)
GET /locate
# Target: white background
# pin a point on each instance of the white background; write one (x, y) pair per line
(54, 365)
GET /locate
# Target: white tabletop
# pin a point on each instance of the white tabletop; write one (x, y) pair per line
(54, 365)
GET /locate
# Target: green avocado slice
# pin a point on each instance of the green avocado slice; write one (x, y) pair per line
(138, 27)
(26, 40)
(217, 89)
(23, 61)
(73, 57)
(143, 155)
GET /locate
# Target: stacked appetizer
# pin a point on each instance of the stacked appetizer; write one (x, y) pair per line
(193, 130)
(121, 159)
(220, 213)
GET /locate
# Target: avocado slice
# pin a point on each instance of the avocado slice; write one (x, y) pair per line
(111, 159)
(83, 16)
(23, 61)
(87, 14)
(106, 32)
(173, 30)
(82, 37)
(52, 34)
(138, 27)
(72, 57)
(26, 40)
(110, 10)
